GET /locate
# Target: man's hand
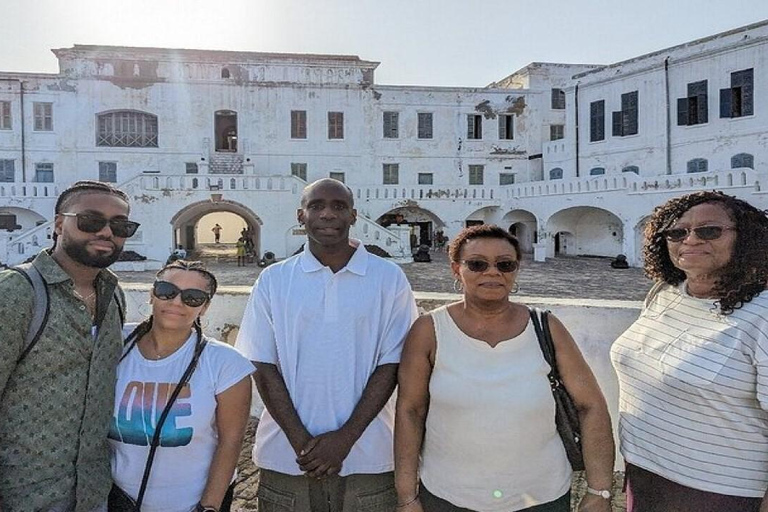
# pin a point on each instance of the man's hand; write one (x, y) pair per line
(592, 503)
(324, 455)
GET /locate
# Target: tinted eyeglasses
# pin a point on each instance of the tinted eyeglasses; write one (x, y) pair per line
(504, 266)
(87, 223)
(191, 297)
(701, 232)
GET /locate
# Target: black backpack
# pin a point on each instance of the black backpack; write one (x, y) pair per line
(41, 306)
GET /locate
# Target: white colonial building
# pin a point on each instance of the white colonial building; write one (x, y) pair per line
(573, 158)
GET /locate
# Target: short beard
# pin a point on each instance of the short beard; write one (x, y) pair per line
(79, 253)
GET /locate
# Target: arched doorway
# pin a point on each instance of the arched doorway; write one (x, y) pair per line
(189, 229)
(424, 224)
(523, 225)
(639, 241)
(585, 231)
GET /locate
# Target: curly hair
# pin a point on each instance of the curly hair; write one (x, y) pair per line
(743, 277)
(482, 231)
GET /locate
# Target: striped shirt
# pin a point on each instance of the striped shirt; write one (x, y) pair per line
(694, 392)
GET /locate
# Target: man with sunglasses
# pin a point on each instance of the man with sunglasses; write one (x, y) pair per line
(325, 330)
(57, 393)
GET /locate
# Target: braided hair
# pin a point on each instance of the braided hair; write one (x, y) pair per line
(746, 273)
(193, 266)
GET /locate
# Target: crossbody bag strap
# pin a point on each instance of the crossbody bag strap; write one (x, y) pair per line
(199, 346)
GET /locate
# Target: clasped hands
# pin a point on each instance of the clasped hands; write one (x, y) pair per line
(323, 455)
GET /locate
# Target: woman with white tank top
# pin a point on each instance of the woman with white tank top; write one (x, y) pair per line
(475, 424)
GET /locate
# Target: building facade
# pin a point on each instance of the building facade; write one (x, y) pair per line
(572, 158)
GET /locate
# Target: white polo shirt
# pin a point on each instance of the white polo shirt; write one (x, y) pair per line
(327, 333)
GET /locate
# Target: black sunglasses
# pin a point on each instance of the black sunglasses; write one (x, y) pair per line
(702, 233)
(504, 266)
(87, 223)
(191, 297)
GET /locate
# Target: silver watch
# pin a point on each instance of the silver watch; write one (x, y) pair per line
(604, 493)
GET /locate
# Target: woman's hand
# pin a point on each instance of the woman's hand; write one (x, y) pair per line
(592, 503)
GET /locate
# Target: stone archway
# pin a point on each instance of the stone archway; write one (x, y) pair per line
(424, 224)
(585, 230)
(524, 226)
(185, 221)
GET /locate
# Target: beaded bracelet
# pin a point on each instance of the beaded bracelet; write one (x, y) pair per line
(401, 505)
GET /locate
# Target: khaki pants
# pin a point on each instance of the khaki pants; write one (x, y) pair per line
(279, 492)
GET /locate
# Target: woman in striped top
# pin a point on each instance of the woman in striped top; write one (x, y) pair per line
(693, 369)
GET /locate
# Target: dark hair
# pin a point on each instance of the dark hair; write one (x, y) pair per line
(482, 231)
(194, 266)
(326, 181)
(89, 187)
(743, 277)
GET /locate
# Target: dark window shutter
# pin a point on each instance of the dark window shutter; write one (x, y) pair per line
(682, 111)
(726, 101)
(747, 94)
(618, 124)
(702, 108)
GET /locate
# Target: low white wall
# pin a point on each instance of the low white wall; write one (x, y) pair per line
(594, 324)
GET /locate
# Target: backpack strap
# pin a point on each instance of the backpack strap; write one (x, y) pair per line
(40, 307)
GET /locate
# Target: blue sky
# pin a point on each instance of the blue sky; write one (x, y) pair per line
(425, 42)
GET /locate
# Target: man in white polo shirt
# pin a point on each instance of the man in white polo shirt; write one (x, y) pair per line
(325, 329)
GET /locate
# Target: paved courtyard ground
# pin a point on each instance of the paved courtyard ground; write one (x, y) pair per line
(562, 277)
(565, 277)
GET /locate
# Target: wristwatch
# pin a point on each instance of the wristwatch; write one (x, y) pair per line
(604, 493)
(202, 508)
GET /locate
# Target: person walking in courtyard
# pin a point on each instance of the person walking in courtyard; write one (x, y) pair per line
(325, 329)
(475, 428)
(216, 233)
(202, 435)
(240, 248)
(693, 369)
(57, 394)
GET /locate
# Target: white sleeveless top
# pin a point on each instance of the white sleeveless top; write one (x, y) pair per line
(490, 442)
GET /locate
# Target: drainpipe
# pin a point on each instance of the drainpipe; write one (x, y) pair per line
(576, 106)
(669, 127)
(23, 145)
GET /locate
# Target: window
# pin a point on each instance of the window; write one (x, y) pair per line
(506, 127)
(556, 174)
(693, 109)
(697, 165)
(5, 115)
(597, 121)
(476, 174)
(44, 173)
(391, 125)
(7, 171)
(474, 126)
(426, 178)
(225, 73)
(339, 176)
(391, 174)
(299, 169)
(108, 172)
(43, 117)
(506, 178)
(127, 129)
(556, 131)
(336, 125)
(597, 171)
(299, 124)
(8, 221)
(425, 125)
(631, 168)
(191, 168)
(737, 100)
(625, 120)
(558, 99)
(743, 160)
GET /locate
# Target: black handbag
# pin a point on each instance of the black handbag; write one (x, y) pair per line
(566, 414)
(119, 500)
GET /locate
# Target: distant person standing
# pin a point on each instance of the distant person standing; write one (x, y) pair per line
(325, 329)
(216, 233)
(240, 245)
